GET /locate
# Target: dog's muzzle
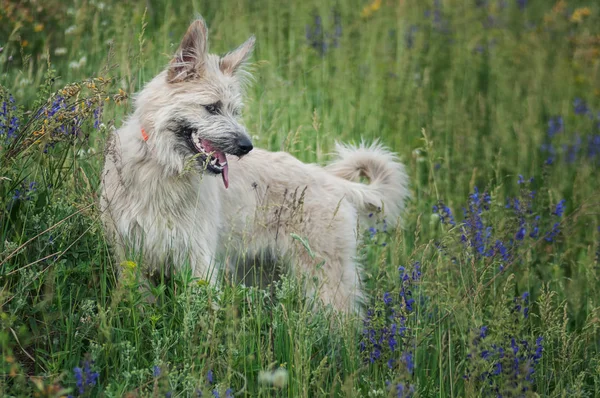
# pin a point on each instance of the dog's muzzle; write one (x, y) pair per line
(214, 159)
(244, 145)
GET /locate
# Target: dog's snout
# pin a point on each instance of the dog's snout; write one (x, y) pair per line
(244, 145)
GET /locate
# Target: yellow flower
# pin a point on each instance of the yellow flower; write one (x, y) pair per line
(370, 8)
(559, 6)
(131, 265)
(38, 27)
(579, 14)
(24, 43)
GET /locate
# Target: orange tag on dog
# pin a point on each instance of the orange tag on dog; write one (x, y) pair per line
(144, 135)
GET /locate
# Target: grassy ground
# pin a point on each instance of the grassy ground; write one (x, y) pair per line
(492, 288)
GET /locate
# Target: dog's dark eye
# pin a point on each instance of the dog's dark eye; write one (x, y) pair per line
(213, 109)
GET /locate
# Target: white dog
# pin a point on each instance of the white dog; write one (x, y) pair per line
(183, 185)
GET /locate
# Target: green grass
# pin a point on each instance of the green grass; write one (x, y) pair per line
(463, 103)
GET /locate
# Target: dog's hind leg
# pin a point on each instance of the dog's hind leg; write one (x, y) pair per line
(337, 281)
(341, 285)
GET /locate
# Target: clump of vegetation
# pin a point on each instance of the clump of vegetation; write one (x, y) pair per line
(489, 289)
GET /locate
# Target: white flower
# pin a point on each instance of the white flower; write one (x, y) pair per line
(78, 64)
(277, 379)
(60, 51)
(24, 82)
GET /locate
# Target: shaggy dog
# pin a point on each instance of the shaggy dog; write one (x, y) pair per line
(182, 183)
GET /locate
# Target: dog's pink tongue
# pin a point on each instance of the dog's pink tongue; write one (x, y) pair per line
(225, 173)
(222, 160)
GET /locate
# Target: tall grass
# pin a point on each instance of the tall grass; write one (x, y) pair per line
(490, 289)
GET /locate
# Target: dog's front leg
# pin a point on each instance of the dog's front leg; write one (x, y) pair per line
(203, 247)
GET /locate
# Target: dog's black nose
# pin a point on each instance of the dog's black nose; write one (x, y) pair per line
(244, 145)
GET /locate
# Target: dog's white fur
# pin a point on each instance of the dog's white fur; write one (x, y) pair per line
(158, 201)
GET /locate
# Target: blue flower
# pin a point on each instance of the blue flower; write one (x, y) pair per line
(408, 359)
(483, 332)
(156, 371)
(321, 40)
(385, 326)
(410, 36)
(593, 150)
(514, 346)
(555, 126)
(392, 343)
(538, 349)
(210, 377)
(502, 250)
(90, 377)
(535, 228)
(552, 234)
(580, 107)
(560, 208)
(9, 122)
(404, 390)
(475, 235)
(78, 373)
(497, 368)
(97, 117)
(521, 233)
(387, 298)
(445, 214)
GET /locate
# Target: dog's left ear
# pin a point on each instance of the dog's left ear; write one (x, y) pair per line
(190, 58)
(231, 62)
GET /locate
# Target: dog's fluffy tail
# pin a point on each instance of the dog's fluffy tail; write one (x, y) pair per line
(388, 188)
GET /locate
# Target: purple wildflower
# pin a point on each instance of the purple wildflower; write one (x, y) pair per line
(78, 373)
(483, 332)
(555, 126)
(580, 107)
(560, 208)
(387, 298)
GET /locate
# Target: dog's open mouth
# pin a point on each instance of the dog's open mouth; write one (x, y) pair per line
(214, 160)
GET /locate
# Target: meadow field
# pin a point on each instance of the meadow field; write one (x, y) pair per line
(490, 288)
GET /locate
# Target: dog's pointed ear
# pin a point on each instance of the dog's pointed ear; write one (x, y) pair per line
(191, 55)
(231, 62)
